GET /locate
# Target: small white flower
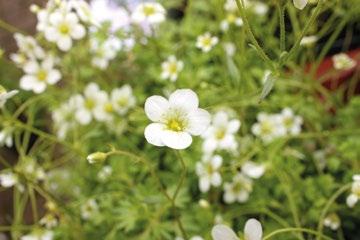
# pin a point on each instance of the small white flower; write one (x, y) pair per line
(49, 221)
(221, 133)
(171, 68)
(8, 179)
(149, 12)
(206, 42)
(87, 105)
(104, 52)
(231, 19)
(252, 231)
(105, 173)
(64, 117)
(230, 6)
(89, 208)
(229, 48)
(175, 120)
(32, 169)
(83, 10)
(123, 99)
(39, 235)
(300, 4)
(29, 46)
(204, 203)
(259, 8)
(308, 40)
(291, 122)
(332, 221)
(208, 172)
(4, 95)
(39, 75)
(343, 62)
(354, 197)
(252, 169)
(63, 27)
(105, 109)
(6, 136)
(268, 127)
(238, 190)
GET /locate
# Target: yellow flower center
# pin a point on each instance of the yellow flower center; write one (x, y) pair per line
(2, 90)
(220, 134)
(64, 28)
(210, 170)
(172, 67)
(148, 10)
(175, 125)
(123, 102)
(206, 41)
(89, 104)
(288, 122)
(108, 108)
(231, 18)
(41, 75)
(266, 128)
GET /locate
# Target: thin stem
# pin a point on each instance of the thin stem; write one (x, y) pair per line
(281, 10)
(305, 230)
(33, 204)
(253, 40)
(327, 206)
(10, 28)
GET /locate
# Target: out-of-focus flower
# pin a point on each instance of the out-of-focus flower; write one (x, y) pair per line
(221, 133)
(206, 42)
(63, 28)
(231, 19)
(6, 136)
(291, 122)
(300, 4)
(104, 52)
(203, 203)
(268, 127)
(238, 190)
(171, 68)
(308, 40)
(332, 221)
(208, 172)
(175, 120)
(4, 95)
(149, 12)
(229, 48)
(39, 234)
(97, 157)
(39, 75)
(252, 169)
(29, 47)
(8, 179)
(88, 104)
(105, 173)
(83, 10)
(123, 99)
(104, 110)
(64, 117)
(88, 209)
(252, 231)
(354, 197)
(343, 62)
(49, 221)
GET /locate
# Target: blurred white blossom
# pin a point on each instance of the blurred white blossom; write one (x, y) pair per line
(252, 231)
(343, 62)
(238, 190)
(206, 42)
(354, 197)
(208, 172)
(171, 68)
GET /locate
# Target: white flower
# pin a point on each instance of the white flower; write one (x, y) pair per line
(230, 6)
(206, 42)
(252, 231)
(8, 179)
(149, 12)
(354, 197)
(291, 122)
(238, 190)
(332, 221)
(208, 172)
(104, 52)
(300, 4)
(6, 137)
(221, 133)
(231, 19)
(28, 46)
(204, 203)
(105, 173)
(64, 117)
(123, 99)
(104, 109)
(83, 10)
(252, 169)
(230, 49)
(87, 105)
(175, 120)
(268, 127)
(39, 235)
(4, 95)
(63, 27)
(308, 40)
(343, 62)
(39, 75)
(89, 208)
(49, 221)
(32, 169)
(171, 68)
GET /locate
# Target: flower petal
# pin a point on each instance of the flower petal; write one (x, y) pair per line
(199, 121)
(223, 232)
(155, 107)
(253, 229)
(152, 134)
(252, 169)
(204, 184)
(233, 126)
(176, 140)
(185, 99)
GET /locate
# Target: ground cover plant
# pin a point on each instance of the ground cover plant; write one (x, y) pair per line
(197, 119)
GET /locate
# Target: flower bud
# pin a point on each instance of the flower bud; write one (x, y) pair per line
(203, 203)
(96, 157)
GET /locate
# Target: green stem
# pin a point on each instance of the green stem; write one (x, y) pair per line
(327, 206)
(253, 40)
(10, 28)
(305, 230)
(281, 10)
